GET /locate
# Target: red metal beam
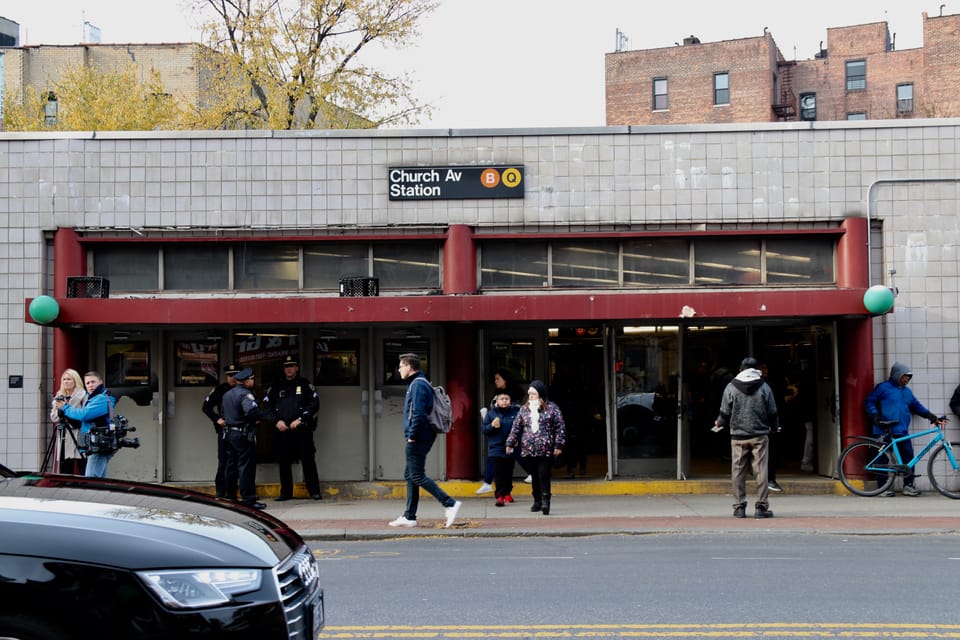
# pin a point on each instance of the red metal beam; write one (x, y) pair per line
(648, 305)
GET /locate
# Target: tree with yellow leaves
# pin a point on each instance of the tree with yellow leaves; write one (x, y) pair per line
(87, 99)
(292, 64)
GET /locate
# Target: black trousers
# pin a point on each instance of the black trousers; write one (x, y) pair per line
(220, 480)
(241, 448)
(292, 445)
(540, 469)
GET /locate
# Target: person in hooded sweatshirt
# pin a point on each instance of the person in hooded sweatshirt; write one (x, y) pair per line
(749, 409)
(891, 401)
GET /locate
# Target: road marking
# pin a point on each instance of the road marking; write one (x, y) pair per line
(719, 630)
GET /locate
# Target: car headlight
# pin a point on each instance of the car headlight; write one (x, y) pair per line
(196, 588)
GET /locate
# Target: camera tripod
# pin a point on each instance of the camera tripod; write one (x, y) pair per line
(54, 450)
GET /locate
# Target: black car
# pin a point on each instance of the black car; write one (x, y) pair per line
(94, 558)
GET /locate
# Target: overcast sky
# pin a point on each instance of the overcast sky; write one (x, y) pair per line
(517, 63)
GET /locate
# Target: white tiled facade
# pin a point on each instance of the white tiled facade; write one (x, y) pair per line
(904, 175)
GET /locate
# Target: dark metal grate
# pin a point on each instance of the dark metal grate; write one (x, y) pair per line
(87, 287)
(359, 287)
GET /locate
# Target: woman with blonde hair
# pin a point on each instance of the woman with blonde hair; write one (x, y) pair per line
(71, 391)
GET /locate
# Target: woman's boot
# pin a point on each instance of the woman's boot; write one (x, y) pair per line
(536, 506)
(545, 507)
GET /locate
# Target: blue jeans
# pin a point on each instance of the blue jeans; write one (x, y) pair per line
(97, 464)
(415, 475)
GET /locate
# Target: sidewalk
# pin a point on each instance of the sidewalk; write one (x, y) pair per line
(597, 511)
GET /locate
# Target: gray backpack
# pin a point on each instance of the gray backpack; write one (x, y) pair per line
(441, 417)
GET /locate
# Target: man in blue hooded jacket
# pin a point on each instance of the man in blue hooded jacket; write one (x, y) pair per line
(417, 405)
(891, 406)
(96, 410)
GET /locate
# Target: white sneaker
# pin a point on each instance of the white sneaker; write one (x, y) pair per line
(451, 513)
(403, 522)
(528, 479)
(486, 487)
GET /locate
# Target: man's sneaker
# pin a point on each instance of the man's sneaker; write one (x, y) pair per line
(451, 513)
(528, 479)
(773, 486)
(486, 487)
(910, 490)
(740, 511)
(402, 522)
(762, 512)
(887, 494)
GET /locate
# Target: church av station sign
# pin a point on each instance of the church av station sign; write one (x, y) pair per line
(455, 183)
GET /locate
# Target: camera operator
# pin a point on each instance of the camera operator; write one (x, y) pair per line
(71, 392)
(96, 411)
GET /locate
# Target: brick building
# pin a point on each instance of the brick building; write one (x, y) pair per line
(40, 66)
(858, 75)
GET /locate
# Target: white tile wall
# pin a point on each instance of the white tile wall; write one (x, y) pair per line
(903, 174)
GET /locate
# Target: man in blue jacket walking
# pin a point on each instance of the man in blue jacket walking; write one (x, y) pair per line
(417, 405)
(890, 406)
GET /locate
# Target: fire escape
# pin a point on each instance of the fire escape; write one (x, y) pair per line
(786, 105)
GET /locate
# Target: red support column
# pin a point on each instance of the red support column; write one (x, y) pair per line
(853, 254)
(459, 261)
(462, 366)
(69, 345)
(855, 341)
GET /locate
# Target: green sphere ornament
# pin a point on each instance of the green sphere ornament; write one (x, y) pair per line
(878, 299)
(44, 309)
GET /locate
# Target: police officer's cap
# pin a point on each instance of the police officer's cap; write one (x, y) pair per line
(230, 369)
(290, 361)
(243, 374)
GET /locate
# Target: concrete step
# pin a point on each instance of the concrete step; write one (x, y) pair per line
(714, 485)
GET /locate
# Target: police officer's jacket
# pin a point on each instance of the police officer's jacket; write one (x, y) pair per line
(240, 408)
(288, 400)
(213, 403)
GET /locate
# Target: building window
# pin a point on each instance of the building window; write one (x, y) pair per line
(721, 88)
(798, 261)
(659, 94)
(662, 262)
(133, 268)
(905, 98)
(857, 115)
(808, 106)
(407, 265)
(196, 268)
(856, 75)
(324, 264)
(727, 262)
(586, 263)
(266, 266)
(509, 265)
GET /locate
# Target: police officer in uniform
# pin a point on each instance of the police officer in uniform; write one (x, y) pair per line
(213, 409)
(291, 405)
(241, 412)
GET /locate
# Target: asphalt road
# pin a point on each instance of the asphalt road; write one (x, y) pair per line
(690, 585)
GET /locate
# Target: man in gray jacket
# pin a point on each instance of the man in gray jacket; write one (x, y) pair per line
(748, 407)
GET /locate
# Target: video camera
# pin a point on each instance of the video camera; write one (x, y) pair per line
(111, 436)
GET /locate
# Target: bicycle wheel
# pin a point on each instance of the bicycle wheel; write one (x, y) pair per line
(943, 476)
(853, 461)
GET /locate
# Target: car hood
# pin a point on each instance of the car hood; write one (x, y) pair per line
(147, 526)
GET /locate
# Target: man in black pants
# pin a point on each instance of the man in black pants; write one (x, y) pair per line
(213, 409)
(291, 405)
(240, 411)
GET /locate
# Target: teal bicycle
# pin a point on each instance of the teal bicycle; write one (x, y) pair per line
(871, 458)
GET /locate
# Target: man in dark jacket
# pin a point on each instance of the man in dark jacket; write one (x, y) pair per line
(750, 410)
(213, 409)
(891, 406)
(241, 412)
(291, 405)
(417, 405)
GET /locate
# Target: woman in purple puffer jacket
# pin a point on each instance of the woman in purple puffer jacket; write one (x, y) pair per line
(539, 433)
